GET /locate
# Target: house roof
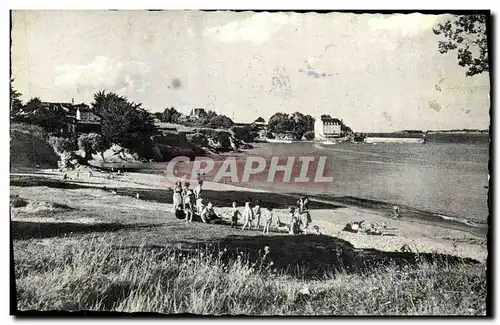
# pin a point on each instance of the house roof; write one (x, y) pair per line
(328, 118)
(68, 107)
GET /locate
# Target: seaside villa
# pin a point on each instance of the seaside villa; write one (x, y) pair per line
(327, 127)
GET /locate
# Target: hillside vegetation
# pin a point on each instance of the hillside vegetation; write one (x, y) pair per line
(29, 147)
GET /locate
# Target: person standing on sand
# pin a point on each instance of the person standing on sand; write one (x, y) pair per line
(197, 189)
(247, 215)
(199, 205)
(305, 216)
(177, 198)
(396, 212)
(188, 197)
(294, 222)
(234, 216)
(269, 220)
(257, 214)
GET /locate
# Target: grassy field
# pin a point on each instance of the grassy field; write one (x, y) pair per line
(100, 274)
(77, 247)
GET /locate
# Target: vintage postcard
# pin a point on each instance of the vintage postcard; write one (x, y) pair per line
(250, 162)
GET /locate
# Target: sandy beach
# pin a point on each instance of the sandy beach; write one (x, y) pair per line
(88, 195)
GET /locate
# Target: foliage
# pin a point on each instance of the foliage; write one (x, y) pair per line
(93, 143)
(467, 35)
(16, 104)
(34, 130)
(158, 115)
(52, 118)
(110, 276)
(269, 135)
(63, 144)
(170, 115)
(125, 123)
(309, 135)
(296, 123)
(246, 133)
(219, 122)
(198, 139)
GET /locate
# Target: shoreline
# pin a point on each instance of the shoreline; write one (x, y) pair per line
(380, 207)
(329, 216)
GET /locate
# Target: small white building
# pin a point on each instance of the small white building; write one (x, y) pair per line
(198, 113)
(327, 127)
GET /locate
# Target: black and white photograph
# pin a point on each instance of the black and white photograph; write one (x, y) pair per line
(250, 162)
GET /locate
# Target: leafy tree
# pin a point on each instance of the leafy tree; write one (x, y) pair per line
(93, 143)
(33, 106)
(125, 123)
(296, 123)
(170, 115)
(16, 104)
(158, 115)
(220, 122)
(246, 133)
(279, 123)
(467, 35)
(63, 144)
(52, 118)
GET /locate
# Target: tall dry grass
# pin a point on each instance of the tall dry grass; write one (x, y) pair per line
(104, 275)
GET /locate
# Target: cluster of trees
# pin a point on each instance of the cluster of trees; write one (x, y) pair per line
(52, 119)
(124, 123)
(208, 119)
(296, 124)
(169, 115)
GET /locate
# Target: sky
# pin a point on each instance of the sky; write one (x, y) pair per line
(378, 72)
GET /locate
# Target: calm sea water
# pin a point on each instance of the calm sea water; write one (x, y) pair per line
(448, 178)
(447, 175)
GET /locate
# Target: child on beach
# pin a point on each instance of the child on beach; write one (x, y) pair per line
(177, 198)
(269, 220)
(305, 216)
(247, 215)
(257, 214)
(199, 205)
(197, 189)
(207, 212)
(234, 216)
(188, 197)
(294, 222)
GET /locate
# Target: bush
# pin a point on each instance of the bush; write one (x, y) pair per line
(309, 135)
(269, 135)
(220, 122)
(92, 143)
(62, 144)
(17, 202)
(246, 133)
(34, 130)
(198, 139)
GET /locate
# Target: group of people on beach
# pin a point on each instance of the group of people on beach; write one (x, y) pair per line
(189, 203)
(300, 217)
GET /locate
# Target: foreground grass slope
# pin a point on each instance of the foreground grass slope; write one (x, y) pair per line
(102, 274)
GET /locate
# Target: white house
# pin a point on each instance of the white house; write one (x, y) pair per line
(327, 127)
(198, 113)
